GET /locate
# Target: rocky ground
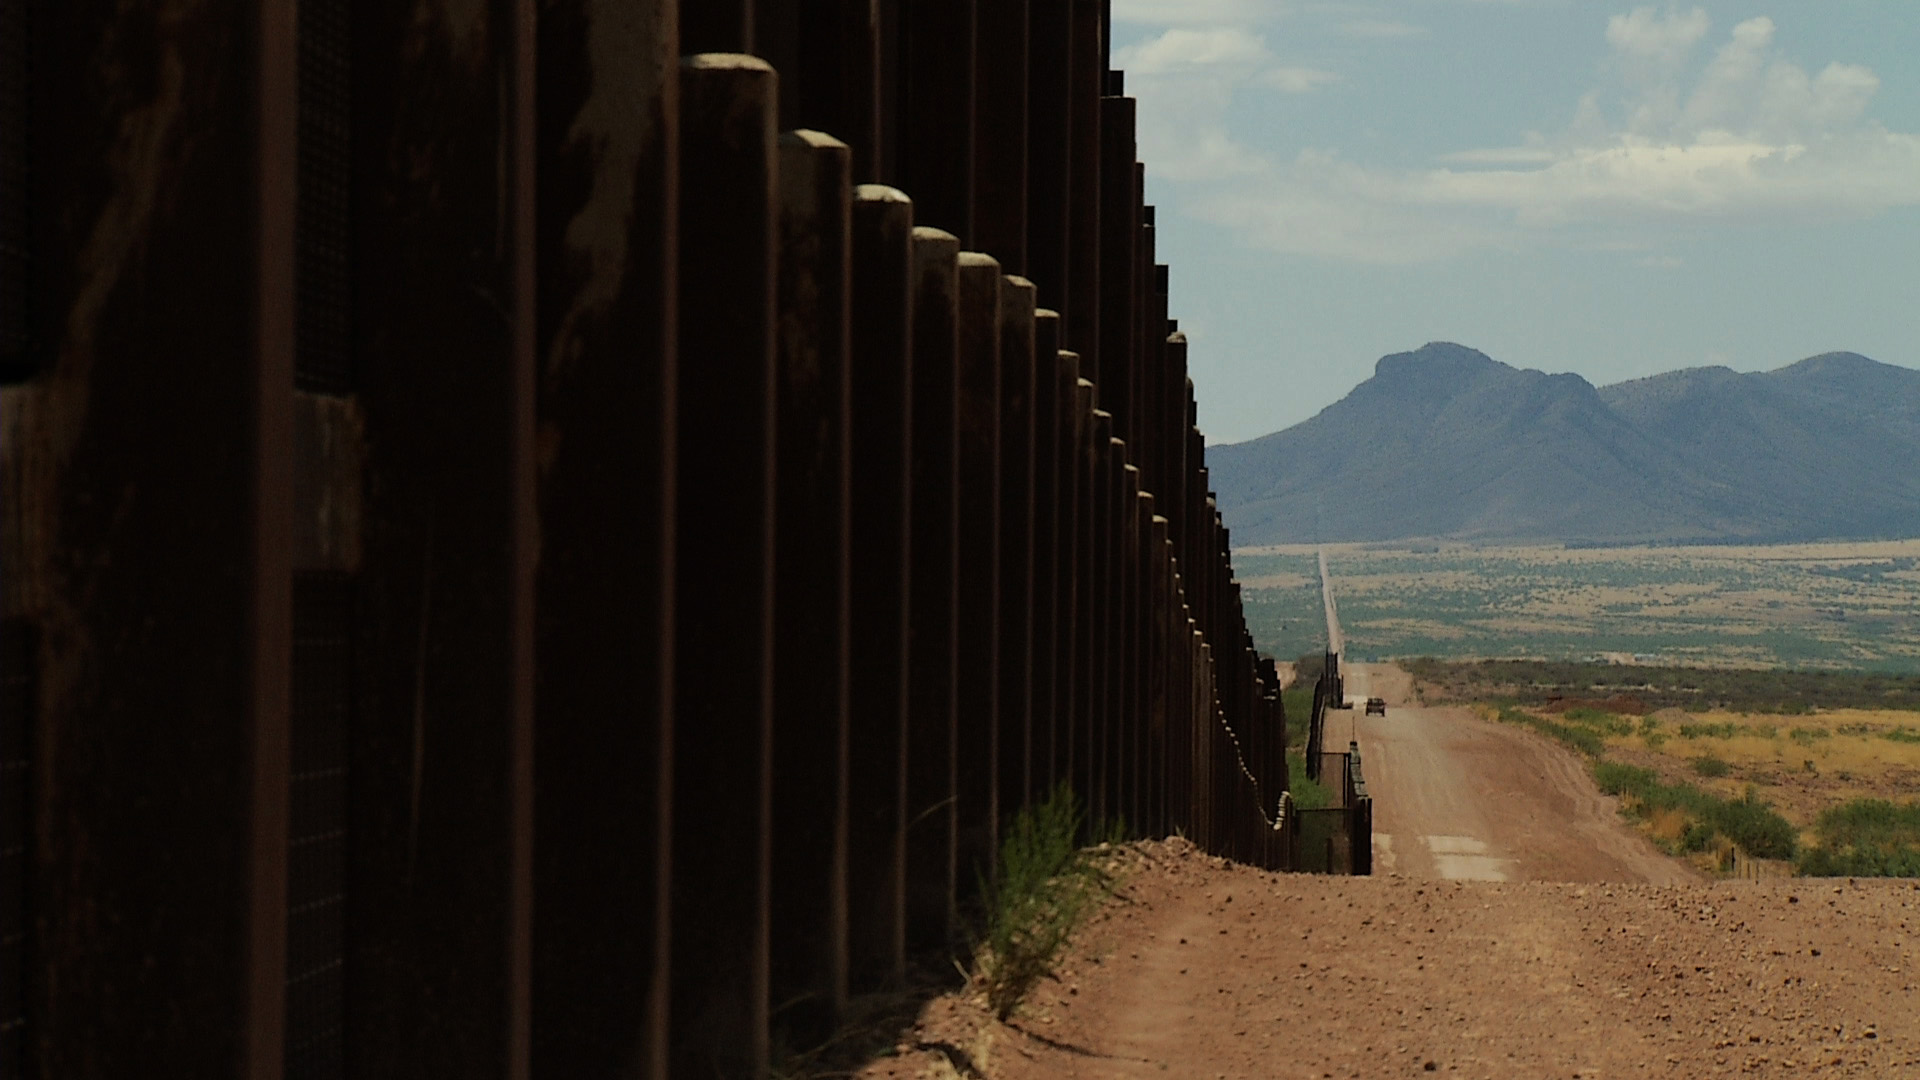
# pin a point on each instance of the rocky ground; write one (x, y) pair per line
(1204, 968)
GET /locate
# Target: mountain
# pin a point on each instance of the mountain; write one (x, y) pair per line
(1445, 441)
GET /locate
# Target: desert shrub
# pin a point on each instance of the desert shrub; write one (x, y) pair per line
(1709, 731)
(1047, 885)
(1582, 739)
(1759, 830)
(1866, 838)
(1805, 736)
(1901, 735)
(1600, 720)
(1710, 766)
(1747, 821)
(1697, 837)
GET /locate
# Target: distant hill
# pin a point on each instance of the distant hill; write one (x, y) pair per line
(1444, 441)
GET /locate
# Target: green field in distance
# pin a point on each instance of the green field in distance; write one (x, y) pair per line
(1852, 605)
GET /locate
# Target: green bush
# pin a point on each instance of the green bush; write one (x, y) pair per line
(1047, 885)
(1709, 731)
(1307, 794)
(1747, 821)
(1866, 838)
(1901, 735)
(1581, 739)
(1710, 766)
(1698, 837)
(1600, 720)
(1805, 736)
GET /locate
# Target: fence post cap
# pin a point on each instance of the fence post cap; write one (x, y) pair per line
(808, 137)
(881, 193)
(718, 61)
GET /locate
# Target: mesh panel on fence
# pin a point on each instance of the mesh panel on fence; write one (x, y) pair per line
(1322, 844)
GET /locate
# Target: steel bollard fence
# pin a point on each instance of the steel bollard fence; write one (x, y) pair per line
(882, 437)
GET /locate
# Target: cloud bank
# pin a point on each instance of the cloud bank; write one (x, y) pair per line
(1686, 127)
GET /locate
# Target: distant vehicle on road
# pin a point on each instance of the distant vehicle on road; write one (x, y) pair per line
(1376, 706)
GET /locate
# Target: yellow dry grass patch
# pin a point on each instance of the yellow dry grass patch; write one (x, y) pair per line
(1838, 741)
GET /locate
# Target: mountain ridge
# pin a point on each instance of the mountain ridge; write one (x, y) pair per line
(1446, 442)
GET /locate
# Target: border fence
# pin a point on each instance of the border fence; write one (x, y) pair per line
(1337, 838)
(547, 539)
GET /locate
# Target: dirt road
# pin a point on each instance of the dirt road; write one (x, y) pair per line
(1457, 797)
(1514, 928)
(1214, 970)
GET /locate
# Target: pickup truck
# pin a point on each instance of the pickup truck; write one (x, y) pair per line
(1376, 706)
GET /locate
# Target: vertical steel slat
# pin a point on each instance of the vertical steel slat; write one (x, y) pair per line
(317, 835)
(444, 336)
(149, 534)
(607, 146)
(1000, 134)
(323, 361)
(882, 437)
(19, 663)
(723, 565)
(1049, 151)
(936, 135)
(811, 665)
(977, 445)
(1086, 77)
(1015, 625)
(1047, 511)
(933, 645)
(1068, 553)
(15, 158)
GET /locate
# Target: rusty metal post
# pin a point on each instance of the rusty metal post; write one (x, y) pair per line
(442, 774)
(605, 395)
(1086, 80)
(1098, 613)
(835, 80)
(1123, 482)
(1158, 571)
(717, 26)
(933, 603)
(1047, 511)
(811, 660)
(1119, 242)
(1154, 381)
(1179, 719)
(1070, 500)
(1147, 336)
(1015, 760)
(1000, 134)
(723, 566)
(1204, 735)
(936, 138)
(1049, 149)
(1175, 501)
(977, 429)
(882, 436)
(1132, 712)
(148, 549)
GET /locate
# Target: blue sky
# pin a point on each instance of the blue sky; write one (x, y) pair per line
(1610, 189)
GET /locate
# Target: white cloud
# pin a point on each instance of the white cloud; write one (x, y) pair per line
(1751, 137)
(1180, 51)
(1185, 79)
(1662, 38)
(1195, 12)
(1381, 28)
(1295, 80)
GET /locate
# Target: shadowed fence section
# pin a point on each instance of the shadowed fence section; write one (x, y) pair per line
(550, 539)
